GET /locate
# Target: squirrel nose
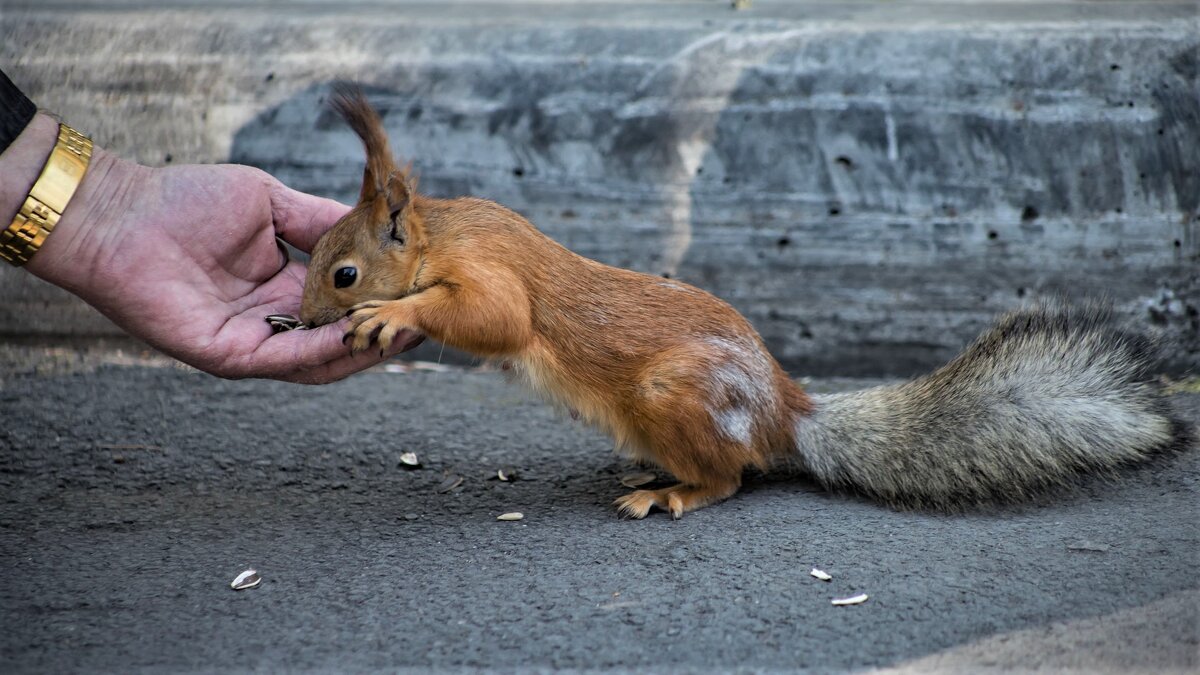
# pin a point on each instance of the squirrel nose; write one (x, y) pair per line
(308, 317)
(314, 318)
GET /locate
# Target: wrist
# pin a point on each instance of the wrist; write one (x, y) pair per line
(67, 256)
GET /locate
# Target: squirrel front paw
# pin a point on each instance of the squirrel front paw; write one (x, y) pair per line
(376, 320)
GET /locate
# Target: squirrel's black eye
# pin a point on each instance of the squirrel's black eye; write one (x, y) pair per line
(344, 277)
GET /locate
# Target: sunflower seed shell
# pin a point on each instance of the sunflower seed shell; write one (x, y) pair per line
(856, 600)
(247, 579)
(632, 480)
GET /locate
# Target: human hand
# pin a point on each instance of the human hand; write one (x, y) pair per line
(185, 258)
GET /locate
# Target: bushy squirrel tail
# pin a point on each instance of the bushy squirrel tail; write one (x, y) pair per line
(1047, 393)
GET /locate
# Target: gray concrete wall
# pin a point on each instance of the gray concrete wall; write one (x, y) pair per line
(867, 182)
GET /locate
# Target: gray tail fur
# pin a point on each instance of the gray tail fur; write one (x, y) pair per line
(1047, 393)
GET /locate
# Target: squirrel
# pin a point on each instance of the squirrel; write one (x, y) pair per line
(681, 380)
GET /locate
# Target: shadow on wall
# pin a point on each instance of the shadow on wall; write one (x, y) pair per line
(866, 207)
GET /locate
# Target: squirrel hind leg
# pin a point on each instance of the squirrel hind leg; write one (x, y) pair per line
(708, 467)
(676, 500)
(700, 415)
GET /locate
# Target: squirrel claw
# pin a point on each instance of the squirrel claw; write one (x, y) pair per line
(377, 323)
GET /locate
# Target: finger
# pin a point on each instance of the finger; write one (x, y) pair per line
(300, 219)
(349, 364)
(314, 356)
(297, 350)
(342, 367)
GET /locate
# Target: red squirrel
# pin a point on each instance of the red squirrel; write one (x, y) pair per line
(681, 380)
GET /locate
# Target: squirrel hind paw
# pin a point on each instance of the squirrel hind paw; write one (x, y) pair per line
(676, 500)
(636, 505)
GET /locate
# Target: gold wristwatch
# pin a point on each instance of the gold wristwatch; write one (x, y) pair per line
(48, 198)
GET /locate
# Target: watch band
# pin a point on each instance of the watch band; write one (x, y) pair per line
(48, 198)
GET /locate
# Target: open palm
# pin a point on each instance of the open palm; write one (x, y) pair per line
(186, 258)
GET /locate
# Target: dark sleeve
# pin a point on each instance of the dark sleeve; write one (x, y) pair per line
(15, 111)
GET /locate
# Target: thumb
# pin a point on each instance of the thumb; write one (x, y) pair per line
(300, 219)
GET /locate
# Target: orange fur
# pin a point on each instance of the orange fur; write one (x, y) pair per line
(675, 375)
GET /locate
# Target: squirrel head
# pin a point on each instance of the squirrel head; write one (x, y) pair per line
(374, 252)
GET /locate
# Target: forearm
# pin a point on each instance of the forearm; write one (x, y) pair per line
(26, 140)
(21, 163)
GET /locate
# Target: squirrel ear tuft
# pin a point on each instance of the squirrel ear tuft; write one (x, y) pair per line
(349, 101)
(370, 186)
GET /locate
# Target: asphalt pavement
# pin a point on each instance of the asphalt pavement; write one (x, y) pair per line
(134, 492)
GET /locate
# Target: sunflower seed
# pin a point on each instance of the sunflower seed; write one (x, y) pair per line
(820, 574)
(633, 480)
(409, 459)
(449, 483)
(284, 322)
(856, 600)
(515, 515)
(247, 579)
